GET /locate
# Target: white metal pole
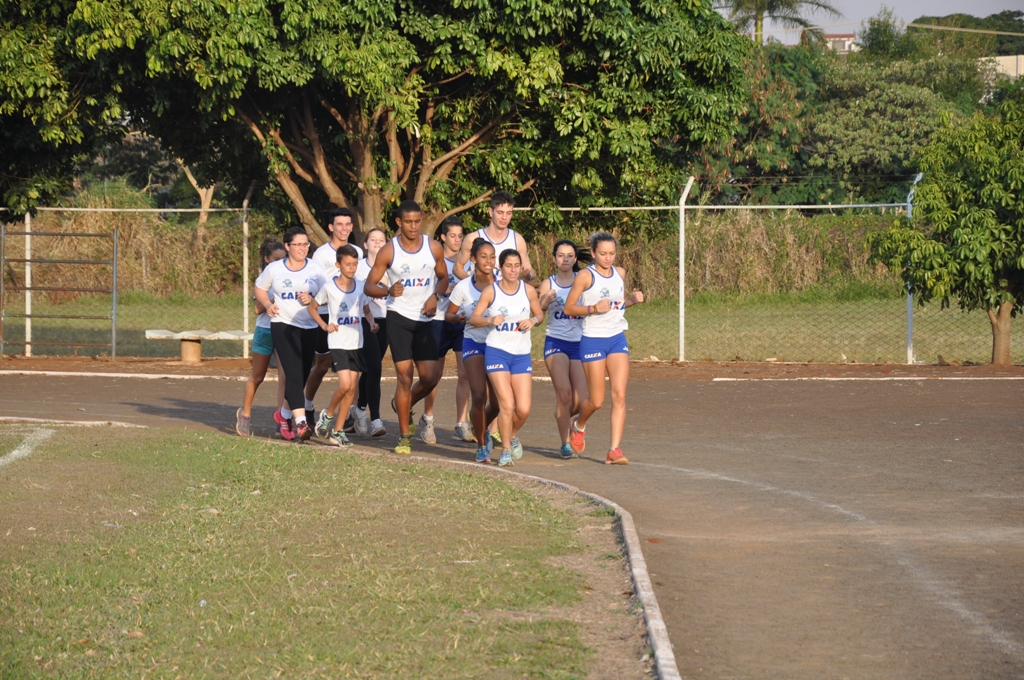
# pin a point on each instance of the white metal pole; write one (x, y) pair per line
(911, 358)
(682, 269)
(246, 293)
(28, 285)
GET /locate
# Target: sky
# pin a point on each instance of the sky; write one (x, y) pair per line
(856, 11)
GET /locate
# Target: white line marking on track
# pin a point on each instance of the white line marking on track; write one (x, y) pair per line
(181, 376)
(83, 423)
(942, 594)
(34, 439)
(883, 378)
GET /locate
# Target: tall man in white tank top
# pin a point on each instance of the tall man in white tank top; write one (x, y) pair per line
(416, 278)
(499, 234)
(340, 224)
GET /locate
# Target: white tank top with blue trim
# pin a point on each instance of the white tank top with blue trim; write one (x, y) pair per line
(515, 308)
(442, 302)
(560, 325)
(466, 295)
(416, 272)
(613, 321)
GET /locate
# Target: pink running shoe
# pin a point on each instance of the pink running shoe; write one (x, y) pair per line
(285, 425)
(576, 441)
(615, 457)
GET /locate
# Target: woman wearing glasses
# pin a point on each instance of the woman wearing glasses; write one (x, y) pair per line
(294, 281)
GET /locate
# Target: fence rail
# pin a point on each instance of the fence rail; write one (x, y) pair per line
(722, 282)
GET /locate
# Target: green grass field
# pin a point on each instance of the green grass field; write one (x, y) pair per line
(144, 553)
(862, 325)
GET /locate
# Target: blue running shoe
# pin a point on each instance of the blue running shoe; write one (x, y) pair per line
(517, 449)
(488, 442)
(506, 459)
(567, 453)
(482, 456)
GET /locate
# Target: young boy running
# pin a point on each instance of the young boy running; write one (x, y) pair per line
(416, 278)
(347, 307)
(340, 224)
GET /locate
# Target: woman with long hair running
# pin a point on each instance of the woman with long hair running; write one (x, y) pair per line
(461, 305)
(562, 341)
(512, 308)
(294, 281)
(271, 250)
(375, 346)
(599, 295)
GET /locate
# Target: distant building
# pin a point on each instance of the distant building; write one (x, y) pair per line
(1012, 65)
(842, 43)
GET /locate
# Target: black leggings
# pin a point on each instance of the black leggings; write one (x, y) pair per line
(375, 346)
(296, 348)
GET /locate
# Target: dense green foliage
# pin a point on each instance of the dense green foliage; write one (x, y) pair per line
(971, 202)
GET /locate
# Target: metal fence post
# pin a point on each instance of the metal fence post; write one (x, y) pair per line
(113, 306)
(245, 269)
(911, 357)
(682, 269)
(28, 284)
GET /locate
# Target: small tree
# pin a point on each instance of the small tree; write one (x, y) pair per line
(972, 201)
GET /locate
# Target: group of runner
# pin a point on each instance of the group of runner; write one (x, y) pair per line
(472, 295)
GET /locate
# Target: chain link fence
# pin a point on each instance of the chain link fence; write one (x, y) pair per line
(760, 284)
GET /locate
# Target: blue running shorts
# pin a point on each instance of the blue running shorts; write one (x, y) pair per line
(262, 341)
(598, 349)
(472, 348)
(500, 361)
(559, 346)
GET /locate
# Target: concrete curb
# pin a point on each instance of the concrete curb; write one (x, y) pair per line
(657, 632)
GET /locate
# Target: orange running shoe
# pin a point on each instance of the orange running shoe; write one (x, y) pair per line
(576, 441)
(615, 457)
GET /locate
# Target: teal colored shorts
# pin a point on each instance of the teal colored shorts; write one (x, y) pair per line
(262, 341)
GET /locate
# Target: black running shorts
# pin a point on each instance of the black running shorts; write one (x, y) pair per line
(411, 340)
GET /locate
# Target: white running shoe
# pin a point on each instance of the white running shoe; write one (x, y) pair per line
(377, 428)
(350, 421)
(362, 422)
(426, 429)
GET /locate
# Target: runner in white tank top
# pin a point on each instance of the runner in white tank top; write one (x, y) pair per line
(512, 308)
(463, 303)
(598, 294)
(562, 342)
(498, 234)
(416, 277)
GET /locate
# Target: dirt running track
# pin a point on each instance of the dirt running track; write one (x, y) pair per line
(794, 529)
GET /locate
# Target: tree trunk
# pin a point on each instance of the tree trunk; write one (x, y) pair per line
(759, 29)
(1001, 333)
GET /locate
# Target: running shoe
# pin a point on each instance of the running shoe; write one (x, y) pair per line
(242, 424)
(377, 428)
(412, 423)
(426, 429)
(615, 457)
(463, 432)
(482, 456)
(567, 453)
(489, 441)
(323, 424)
(362, 422)
(404, 444)
(302, 431)
(517, 448)
(506, 459)
(576, 436)
(285, 425)
(339, 439)
(350, 420)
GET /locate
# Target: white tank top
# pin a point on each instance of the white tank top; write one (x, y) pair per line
(560, 325)
(327, 257)
(263, 319)
(377, 305)
(466, 295)
(509, 243)
(416, 272)
(613, 321)
(442, 302)
(515, 308)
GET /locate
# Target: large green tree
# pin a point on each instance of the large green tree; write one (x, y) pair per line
(750, 14)
(971, 203)
(362, 103)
